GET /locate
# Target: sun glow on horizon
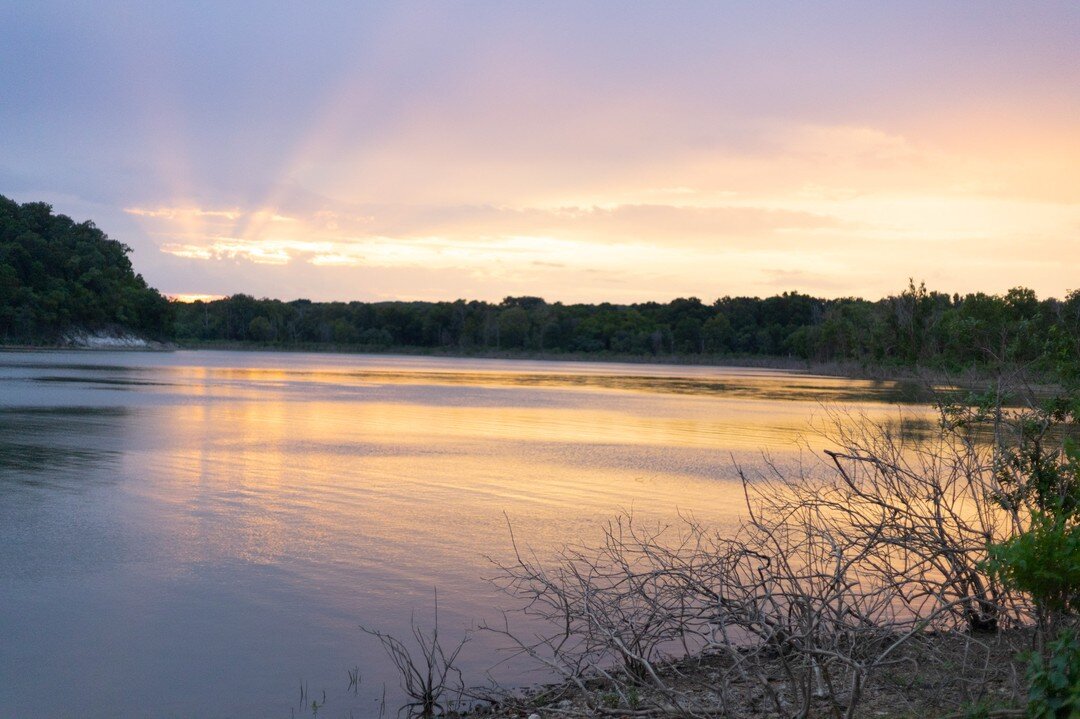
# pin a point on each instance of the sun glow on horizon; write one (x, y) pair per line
(686, 243)
(189, 298)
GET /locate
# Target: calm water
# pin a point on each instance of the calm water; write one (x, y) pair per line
(197, 534)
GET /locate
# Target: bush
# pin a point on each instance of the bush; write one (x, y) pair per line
(1043, 562)
(1055, 680)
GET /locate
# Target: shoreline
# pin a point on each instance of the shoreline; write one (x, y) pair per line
(849, 369)
(913, 689)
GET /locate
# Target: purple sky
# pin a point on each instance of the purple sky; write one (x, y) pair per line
(579, 151)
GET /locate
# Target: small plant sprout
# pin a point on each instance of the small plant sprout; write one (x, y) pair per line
(428, 676)
(354, 680)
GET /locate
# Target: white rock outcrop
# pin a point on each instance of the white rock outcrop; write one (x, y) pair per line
(105, 340)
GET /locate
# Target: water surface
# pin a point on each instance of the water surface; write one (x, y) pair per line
(199, 534)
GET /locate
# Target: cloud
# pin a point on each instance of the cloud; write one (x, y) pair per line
(831, 242)
(467, 233)
(191, 252)
(176, 213)
(262, 252)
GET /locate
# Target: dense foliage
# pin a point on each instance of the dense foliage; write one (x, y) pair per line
(914, 327)
(58, 275)
(1039, 483)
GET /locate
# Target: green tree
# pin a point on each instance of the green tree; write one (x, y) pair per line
(56, 275)
(260, 329)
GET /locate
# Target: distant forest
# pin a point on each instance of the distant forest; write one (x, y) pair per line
(57, 275)
(913, 327)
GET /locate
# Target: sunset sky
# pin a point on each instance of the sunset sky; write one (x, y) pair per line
(580, 151)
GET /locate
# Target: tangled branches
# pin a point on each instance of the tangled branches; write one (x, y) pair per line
(870, 568)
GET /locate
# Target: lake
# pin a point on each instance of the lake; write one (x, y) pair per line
(200, 534)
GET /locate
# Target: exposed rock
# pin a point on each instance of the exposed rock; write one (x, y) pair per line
(107, 340)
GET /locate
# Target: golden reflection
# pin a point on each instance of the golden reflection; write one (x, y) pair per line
(326, 466)
(760, 384)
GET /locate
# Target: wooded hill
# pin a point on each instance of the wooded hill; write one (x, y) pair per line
(58, 275)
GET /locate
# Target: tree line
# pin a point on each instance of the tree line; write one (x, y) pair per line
(915, 326)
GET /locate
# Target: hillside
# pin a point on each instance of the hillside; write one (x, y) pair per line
(58, 276)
